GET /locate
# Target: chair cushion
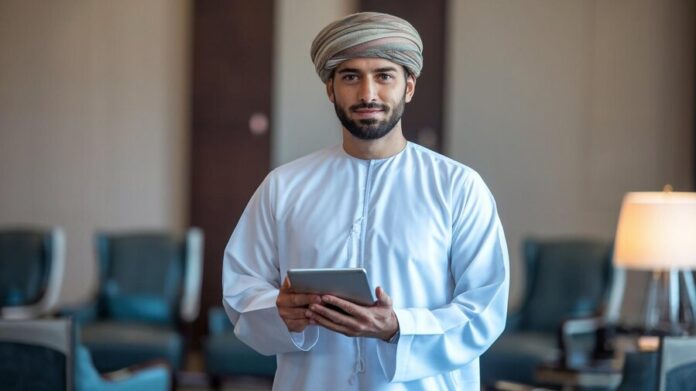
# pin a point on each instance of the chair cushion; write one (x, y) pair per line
(225, 355)
(151, 309)
(515, 356)
(88, 379)
(115, 345)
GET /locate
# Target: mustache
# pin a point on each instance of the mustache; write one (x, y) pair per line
(371, 105)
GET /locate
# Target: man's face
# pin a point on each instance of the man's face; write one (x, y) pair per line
(369, 95)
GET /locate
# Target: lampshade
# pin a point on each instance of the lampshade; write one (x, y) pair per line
(657, 231)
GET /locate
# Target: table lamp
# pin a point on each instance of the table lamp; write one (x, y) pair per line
(657, 233)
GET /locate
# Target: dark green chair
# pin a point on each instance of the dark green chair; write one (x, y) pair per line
(226, 356)
(32, 261)
(149, 285)
(564, 279)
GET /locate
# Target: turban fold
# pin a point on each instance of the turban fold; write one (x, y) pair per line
(367, 34)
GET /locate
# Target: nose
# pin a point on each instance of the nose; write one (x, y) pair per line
(368, 90)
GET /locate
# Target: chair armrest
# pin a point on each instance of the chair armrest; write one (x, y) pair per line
(193, 274)
(575, 326)
(570, 331)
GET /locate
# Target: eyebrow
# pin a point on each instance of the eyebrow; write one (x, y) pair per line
(378, 70)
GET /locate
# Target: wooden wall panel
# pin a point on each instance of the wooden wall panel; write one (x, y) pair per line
(232, 81)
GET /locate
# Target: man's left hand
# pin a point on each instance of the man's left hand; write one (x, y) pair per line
(376, 321)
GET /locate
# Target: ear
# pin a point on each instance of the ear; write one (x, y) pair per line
(410, 88)
(330, 90)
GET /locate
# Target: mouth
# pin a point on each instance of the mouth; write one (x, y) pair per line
(367, 113)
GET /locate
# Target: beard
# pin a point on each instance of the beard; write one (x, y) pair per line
(370, 128)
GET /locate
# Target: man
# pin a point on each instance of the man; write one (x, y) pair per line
(423, 226)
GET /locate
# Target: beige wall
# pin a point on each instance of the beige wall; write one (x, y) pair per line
(563, 106)
(304, 119)
(93, 120)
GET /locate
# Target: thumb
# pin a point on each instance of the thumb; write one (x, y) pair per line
(382, 297)
(286, 284)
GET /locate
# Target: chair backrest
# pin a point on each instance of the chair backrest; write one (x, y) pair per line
(677, 367)
(32, 262)
(36, 354)
(565, 278)
(150, 276)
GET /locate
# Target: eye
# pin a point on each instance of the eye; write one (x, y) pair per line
(385, 77)
(349, 77)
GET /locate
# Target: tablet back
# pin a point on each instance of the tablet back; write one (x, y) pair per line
(348, 283)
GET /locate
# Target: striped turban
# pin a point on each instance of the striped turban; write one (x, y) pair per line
(367, 34)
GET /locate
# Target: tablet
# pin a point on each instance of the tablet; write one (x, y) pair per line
(347, 283)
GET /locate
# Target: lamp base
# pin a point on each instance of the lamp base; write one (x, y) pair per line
(666, 311)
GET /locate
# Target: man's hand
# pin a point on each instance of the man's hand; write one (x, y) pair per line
(292, 307)
(376, 321)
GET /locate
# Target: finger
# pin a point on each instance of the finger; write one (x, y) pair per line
(296, 300)
(288, 313)
(325, 322)
(382, 297)
(299, 300)
(350, 308)
(334, 316)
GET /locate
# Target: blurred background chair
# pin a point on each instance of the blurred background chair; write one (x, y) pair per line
(564, 279)
(677, 367)
(36, 354)
(671, 368)
(44, 354)
(149, 285)
(226, 356)
(32, 261)
(639, 372)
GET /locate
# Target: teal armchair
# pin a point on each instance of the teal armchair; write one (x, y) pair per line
(564, 279)
(149, 285)
(227, 356)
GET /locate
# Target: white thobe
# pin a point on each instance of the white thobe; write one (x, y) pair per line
(426, 230)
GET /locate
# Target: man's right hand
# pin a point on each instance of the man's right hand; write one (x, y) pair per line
(292, 307)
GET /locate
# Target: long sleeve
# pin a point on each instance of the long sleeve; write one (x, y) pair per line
(251, 279)
(439, 340)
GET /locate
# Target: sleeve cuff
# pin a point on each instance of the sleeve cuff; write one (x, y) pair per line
(306, 339)
(392, 356)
